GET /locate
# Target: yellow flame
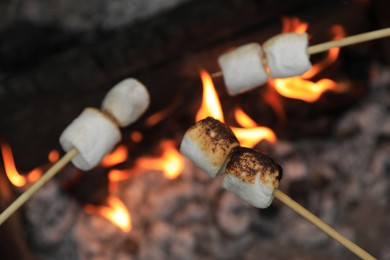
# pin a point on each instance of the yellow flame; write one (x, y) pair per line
(211, 105)
(248, 136)
(305, 90)
(115, 212)
(243, 119)
(171, 161)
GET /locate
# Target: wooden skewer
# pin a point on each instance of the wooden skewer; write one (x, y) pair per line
(318, 48)
(322, 225)
(368, 36)
(37, 185)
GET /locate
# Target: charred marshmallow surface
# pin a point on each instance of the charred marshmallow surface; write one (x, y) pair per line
(252, 176)
(208, 144)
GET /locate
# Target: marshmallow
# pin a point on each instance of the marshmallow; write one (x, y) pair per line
(243, 69)
(287, 55)
(126, 101)
(252, 176)
(208, 144)
(93, 134)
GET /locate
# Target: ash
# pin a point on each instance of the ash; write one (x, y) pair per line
(343, 179)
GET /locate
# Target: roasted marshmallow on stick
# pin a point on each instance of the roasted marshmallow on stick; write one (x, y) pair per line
(94, 133)
(252, 176)
(212, 146)
(246, 67)
(208, 144)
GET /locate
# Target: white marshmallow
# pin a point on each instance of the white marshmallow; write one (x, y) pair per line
(243, 68)
(252, 176)
(287, 55)
(208, 144)
(126, 101)
(93, 134)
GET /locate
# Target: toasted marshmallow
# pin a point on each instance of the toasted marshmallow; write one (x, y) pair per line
(93, 134)
(287, 55)
(252, 176)
(208, 144)
(243, 68)
(126, 101)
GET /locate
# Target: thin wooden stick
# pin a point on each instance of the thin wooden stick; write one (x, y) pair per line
(37, 185)
(318, 48)
(322, 225)
(349, 41)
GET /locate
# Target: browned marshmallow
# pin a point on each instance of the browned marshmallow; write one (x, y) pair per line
(252, 176)
(208, 144)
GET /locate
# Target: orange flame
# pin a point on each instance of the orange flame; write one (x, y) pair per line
(171, 161)
(116, 175)
(211, 106)
(299, 87)
(117, 156)
(115, 211)
(17, 179)
(293, 24)
(161, 115)
(13, 175)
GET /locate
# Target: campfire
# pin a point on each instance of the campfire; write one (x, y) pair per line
(156, 204)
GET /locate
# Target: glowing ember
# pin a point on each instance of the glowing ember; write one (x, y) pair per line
(13, 175)
(117, 156)
(53, 156)
(211, 106)
(34, 175)
(136, 136)
(115, 211)
(300, 87)
(171, 161)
